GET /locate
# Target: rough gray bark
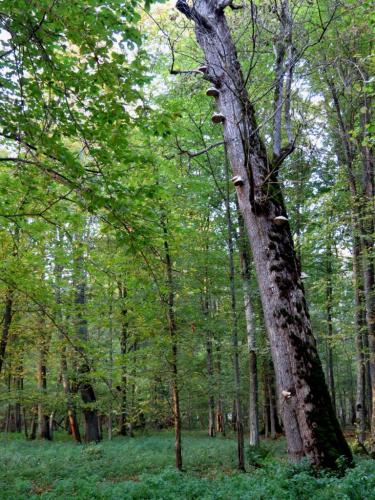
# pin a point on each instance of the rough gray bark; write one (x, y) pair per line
(309, 420)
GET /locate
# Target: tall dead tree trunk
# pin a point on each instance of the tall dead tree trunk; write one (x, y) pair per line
(310, 423)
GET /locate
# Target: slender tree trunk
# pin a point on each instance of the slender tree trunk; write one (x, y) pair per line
(220, 420)
(368, 196)
(209, 358)
(92, 431)
(331, 380)
(19, 388)
(310, 423)
(236, 361)
(7, 319)
(250, 330)
(172, 325)
(8, 310)
(71, 408)
(43, 418)
(123, 351)
(360, 406)
(272, 401)
(363, 226)
(110, 377)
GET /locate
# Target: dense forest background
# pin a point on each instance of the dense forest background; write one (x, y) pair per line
(129, 296)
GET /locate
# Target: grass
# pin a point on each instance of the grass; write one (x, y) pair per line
(143, 468)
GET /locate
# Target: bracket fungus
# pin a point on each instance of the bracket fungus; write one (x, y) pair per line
(237, 180)
(280, 220)
(286, 394)
(212, 92)
(218, 118)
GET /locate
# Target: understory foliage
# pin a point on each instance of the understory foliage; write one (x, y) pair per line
(142, 468)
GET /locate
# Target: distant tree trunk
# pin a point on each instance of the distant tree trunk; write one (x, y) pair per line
(110, 377)
(34, 423)
(67, 385)
(8, 310)
(123, 351)
(271, 395)
(51, 424)
(236, 362)
(7, 319)
(363, 226)
(360, 325)
(43, 418)
(220, 420)
(25, 423)
(310, 423)
(266, 405)
(331, 380)
(250, 330)
(19, 387)
(360, 406)
(92, 431)
(172, 325)
(368, 196)
(209, 357)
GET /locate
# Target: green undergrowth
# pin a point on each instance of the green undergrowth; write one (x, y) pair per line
(142, 468)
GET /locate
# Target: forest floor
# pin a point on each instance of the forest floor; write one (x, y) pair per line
(142, 468)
